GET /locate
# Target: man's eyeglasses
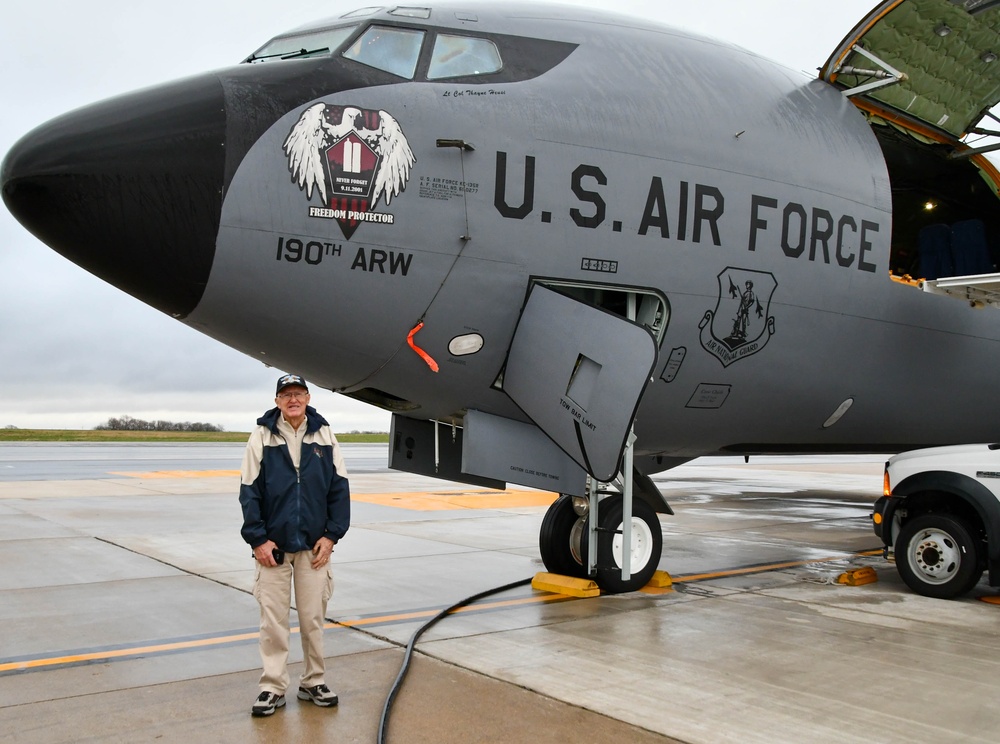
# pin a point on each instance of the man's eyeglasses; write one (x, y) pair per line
(295, 396)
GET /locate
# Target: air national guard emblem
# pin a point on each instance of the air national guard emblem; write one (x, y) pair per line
(740, 325)
(352, 157)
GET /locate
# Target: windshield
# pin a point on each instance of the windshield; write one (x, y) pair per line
(456, 56)
(303, 45)
(394, 50)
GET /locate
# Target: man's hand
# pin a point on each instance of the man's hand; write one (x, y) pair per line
(264, 554)
(321, 552)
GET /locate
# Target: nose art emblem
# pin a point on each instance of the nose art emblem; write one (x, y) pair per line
(351, 158)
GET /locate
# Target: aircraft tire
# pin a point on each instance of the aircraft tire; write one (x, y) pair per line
(647, 545)
(559, 539)
(936, 556)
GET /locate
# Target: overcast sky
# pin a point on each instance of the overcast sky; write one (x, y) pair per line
(75, 351)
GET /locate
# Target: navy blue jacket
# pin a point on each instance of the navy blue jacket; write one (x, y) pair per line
(293, 511)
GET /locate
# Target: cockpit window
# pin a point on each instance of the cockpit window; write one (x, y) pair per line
(361, 12)
(411, 12)
(458, 56)
(394, 50)
(303, 45)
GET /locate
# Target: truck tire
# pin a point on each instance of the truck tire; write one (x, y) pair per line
(936, 556)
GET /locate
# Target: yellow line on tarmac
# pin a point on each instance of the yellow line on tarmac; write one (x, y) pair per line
(119, 652)
(768, 567)
(161, 648)
(381, 619)
(179, 474)
(414, 501)
(432, 613)
(451, 500)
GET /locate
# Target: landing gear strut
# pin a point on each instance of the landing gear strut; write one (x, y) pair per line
(644, 552)
(607, 535)
(564, 546)
(626, 542)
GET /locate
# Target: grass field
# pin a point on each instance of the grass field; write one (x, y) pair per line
(89, 435)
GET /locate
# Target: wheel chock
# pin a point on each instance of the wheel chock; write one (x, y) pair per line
(858, 576)
(558, 584)
(659, 583)
(990, 599)
(660, 580)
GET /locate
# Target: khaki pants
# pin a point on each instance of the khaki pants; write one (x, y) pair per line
(272, 588)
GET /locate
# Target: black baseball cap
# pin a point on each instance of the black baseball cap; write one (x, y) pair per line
(289, 380)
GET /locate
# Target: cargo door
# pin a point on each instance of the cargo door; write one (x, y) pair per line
(926, 74)
(930, 62)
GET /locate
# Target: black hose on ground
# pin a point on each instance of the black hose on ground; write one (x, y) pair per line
(383, 723)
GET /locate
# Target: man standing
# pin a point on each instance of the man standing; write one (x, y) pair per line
(296, 507)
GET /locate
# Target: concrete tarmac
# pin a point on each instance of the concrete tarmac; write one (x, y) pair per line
(126, 615)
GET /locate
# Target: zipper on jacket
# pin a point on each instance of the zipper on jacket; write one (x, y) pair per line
(298, 480)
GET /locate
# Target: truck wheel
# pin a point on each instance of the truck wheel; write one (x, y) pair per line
(936, 556)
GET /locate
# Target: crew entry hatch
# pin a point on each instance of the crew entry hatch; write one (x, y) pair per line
(579, 373)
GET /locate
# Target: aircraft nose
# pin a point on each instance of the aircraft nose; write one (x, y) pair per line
(130, 189)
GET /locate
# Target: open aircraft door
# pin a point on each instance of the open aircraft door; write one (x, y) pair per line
(579, 373)
(932, 64)
(926, 74)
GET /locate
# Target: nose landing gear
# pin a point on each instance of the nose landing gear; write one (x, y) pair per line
(564, 545)
(644, 552)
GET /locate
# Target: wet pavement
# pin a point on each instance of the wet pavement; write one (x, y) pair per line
(126, 614)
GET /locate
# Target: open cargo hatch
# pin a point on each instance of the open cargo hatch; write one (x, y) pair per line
(926, 74)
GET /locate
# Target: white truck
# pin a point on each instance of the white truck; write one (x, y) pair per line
(940, 517)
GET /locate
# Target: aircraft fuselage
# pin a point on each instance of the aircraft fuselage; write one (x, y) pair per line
(311, 212)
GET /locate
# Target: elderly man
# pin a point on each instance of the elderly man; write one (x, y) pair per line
(296, 507)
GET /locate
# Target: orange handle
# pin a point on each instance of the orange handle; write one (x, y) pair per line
(423, 354)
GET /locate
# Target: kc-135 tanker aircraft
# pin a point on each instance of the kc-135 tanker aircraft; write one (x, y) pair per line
(569, 249)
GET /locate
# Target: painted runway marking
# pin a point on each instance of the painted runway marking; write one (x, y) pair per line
(764, 567)
(183, 645)
(157, 474)
(105, 654)
(414, 501)
(452, 500)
